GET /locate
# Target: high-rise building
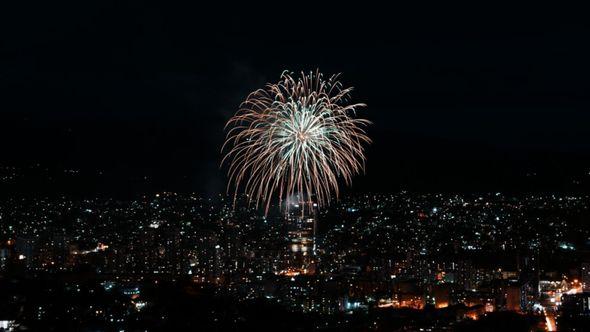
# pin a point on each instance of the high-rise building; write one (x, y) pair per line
(25, 249)
(585, 275)
(301, 234)
(575, 312)
(513, 297)
(529, 275)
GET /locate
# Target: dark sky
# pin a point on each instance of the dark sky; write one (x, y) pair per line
(460, 100)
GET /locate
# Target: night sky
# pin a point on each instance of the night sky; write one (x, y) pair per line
(135, 96)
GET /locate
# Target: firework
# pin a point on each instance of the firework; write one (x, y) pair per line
(295, 137)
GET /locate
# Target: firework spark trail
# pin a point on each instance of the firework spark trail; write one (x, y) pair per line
(297, 136)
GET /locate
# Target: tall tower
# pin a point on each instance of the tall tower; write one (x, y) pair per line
(301, 219)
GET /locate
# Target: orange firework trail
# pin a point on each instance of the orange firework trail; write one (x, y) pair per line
(295, 137)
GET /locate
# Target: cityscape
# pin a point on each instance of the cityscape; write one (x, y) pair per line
(399, 261)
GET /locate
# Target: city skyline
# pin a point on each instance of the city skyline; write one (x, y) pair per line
(375, 261)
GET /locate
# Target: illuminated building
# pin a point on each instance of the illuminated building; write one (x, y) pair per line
(442, 296)
(585, 275)
(26, 249)
(577, 303)
(575, 312)
(301, 234)
(4, 256)
(528, 268)
(513, 298)
(407, 295)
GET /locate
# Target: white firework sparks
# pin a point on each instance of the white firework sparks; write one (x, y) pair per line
(297, 136)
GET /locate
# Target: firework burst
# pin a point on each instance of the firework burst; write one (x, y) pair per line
(295, 137)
